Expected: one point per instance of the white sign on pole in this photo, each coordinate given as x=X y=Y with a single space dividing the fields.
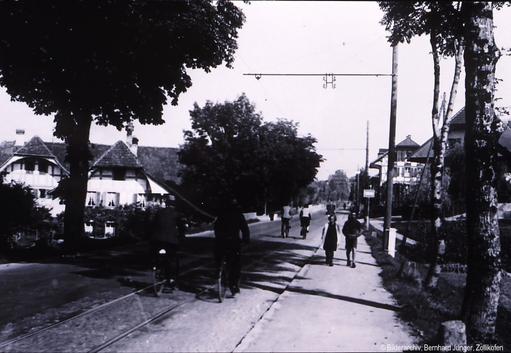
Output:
x=369 y=193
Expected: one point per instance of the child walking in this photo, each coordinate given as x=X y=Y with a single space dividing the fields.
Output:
x=351 y=230
x=329 y=237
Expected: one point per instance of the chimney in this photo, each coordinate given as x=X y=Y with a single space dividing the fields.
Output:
x=134 y=145
x=21 y=138
x=409 y=137
x=129 y=134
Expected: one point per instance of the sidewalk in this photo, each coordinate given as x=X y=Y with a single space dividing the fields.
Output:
x=332 y=309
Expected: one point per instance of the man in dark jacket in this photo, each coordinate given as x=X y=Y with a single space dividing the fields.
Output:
x=228 y=225
x=351 y=230
x=165 y=235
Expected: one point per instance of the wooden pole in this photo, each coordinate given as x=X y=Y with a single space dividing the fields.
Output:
x=392 y=147
x=366 y=181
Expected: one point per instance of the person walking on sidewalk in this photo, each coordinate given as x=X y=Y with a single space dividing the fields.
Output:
x=352 y=230
x=329 y=237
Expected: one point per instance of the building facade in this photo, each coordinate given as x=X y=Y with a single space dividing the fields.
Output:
x=122 y=174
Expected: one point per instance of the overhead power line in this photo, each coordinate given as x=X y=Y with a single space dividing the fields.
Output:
x=328 y=78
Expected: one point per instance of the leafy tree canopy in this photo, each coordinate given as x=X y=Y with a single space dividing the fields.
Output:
x=406 y=19
x=113 y=60
x=230 y=152
x=338 y=186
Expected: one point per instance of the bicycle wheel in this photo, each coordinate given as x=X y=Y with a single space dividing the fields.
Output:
x=158 y=280
x=304 y=232
x=221 y=283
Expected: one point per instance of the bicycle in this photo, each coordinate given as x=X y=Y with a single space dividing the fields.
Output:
x=222 y=280
x=303 y=231
x=163 y=273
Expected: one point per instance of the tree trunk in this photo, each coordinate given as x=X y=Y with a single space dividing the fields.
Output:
x=78 y=156
x=482 y=132
x=436 y=172
x=440 y=135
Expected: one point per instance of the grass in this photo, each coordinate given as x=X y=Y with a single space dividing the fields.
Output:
x=426 y=310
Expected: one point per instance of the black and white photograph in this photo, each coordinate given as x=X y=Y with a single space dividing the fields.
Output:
x=255 y=176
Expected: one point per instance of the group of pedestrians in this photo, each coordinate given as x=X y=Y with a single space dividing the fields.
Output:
x=351 y=229
x=230 y=224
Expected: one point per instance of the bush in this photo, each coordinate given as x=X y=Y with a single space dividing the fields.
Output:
x=455 y=241
x=21 y=217
x=129 y=221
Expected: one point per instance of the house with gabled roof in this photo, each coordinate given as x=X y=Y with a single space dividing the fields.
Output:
x=456 y=136
x=121 y=174
x=406 y=172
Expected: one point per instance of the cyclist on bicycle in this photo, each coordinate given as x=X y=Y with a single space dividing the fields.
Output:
x=165 y=235
x=228 y=225
x=305 y=218
x=285 y=217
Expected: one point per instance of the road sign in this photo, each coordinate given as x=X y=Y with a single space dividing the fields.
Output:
x=369 y=193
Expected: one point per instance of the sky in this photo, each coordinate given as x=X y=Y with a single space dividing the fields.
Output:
x=307 y=37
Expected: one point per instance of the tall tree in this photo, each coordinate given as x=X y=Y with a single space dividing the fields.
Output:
x=481 y=137
x=220 y=153
x=291 y=161
x=230 y=151
x=442 y=22
x=109 y=62
x=338 y=185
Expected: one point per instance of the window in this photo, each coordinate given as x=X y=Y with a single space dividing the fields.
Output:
x=42 y=193
x=112 y=199
x=43 y=167
x=119 y=174
x=92 y=199
x=29 y=166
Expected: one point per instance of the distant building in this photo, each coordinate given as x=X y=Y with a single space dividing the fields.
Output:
x=455 y=137
x=406 y=172
x=120 y=174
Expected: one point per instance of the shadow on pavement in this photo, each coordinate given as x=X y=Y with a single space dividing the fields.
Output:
x=345 y=298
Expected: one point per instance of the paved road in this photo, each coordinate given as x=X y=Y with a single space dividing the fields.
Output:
x=36 y=295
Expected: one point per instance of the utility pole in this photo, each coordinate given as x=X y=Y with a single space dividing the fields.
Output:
x=358 y=191
x=392 y=150
x=366 y=181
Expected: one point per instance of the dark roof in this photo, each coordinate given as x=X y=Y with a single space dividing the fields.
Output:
x=161 y=163
x=118 y=155
x=34 y=147
x=407 y=142
x=379 y=158
x=59 y=150
x=458 y=118
x=6 y=150
x=422 y=153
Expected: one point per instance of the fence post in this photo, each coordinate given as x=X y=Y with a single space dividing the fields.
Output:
x=391 y=250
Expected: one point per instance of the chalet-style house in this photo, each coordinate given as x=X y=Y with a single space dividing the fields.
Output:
x=406 y=171
x=412 y=158
x=120 y=174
